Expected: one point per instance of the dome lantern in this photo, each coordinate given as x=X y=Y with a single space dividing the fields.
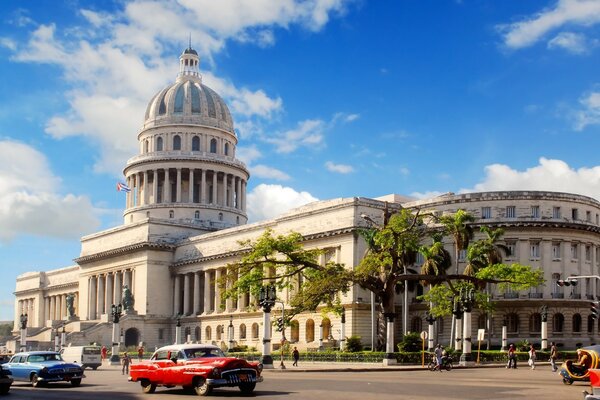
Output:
x=189 y=65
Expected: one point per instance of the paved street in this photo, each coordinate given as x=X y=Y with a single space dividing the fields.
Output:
x=481 y=383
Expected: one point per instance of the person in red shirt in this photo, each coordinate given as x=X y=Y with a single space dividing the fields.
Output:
x=140 y=353
x=103 y=353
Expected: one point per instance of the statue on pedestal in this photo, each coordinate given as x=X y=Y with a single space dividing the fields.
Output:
x=127 y=299
x=70 y=299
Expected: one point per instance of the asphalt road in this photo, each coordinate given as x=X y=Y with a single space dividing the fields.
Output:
x=483 y=383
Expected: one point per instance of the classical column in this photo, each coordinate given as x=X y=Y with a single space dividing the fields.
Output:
x=244 y=195
x=51 y=314
x=100 y=294
x=146 y=193
x=191 y=184
x=118 y=288
x=186 y=294
x=177 y=296
x=224 y=189
x=46 y=309
x=92 y=299
x=178 y=186
x=155 y=185
x=214 y=188
x=109 y=292
x=166 y=184
x=218 y=275
x=238 y=194
x=203 y=187
x=196 y=293
x=126 y=278
x=206 y=292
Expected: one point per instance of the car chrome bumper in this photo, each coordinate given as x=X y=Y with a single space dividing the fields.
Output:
x=225 y=382
x=60 y=378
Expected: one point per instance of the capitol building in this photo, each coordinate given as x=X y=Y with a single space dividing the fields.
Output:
x=186 y=215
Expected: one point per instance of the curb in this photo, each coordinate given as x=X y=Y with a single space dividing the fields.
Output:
x=379 y=368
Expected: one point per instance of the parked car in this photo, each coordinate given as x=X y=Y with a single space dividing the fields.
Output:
x=41 y=367
x=5 y=380
x=198 y=367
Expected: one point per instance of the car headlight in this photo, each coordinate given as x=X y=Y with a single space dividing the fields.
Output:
x=259 y=367
x=44 y=370
x=216 y=372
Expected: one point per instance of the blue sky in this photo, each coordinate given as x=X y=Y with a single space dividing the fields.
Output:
x=331 y=98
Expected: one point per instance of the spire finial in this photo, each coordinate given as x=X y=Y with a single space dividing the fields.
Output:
x=190 y=45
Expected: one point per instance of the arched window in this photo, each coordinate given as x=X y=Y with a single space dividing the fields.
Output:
x=159 y=144
x=512 y=323
x=310 y=331
x=179 y=100
x=558 y=322
x=295 y=328
x=187 y=333
x=591 y=323
x=226 y=149
x=195 y=143
x=237 y=220
x=176 y=142
x=207 y=333
x=220 y=332
x=197 y=214
x=220 y=216
x=326 y=324
x=243 y=331
x=576 y=323
x=255 y=331
x=146 y=146
x=195 y=95
x=535 y=322
x=415 y=324
x=197 y=334
x=213 y=145
x=171 y=214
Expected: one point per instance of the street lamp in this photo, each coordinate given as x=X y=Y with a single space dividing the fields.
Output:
x=430 y=321
x=457 y=311
x=230 y=333
x=63 y=337
x=266 y=300
x=178 y=329
x=23 y=321
x=468 y=301
x=56 y=340
x=544 y=327
x=116 y=312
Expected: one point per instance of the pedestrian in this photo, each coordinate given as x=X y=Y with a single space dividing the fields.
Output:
x=103 y=352
x=553 y=356
x=125 y=361
x=438 y=356
x=295 y=356
x=531 y=360
x=140 y=353
x=512 y=357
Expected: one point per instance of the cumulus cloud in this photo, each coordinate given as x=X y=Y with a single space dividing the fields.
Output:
x=29 y=202
x=550 y=175
x=339 y=168
x=266 y=172
x=589 y=113
x=270 y=201
x=308 y=133
x=126 y=57
x=530 y=30
x=572 y=42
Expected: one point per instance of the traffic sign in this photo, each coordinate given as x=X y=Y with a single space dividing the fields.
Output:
x=424 y=335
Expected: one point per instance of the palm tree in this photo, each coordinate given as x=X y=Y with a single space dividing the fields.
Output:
x=486 y=251
x=436 y=258
x=458 y=226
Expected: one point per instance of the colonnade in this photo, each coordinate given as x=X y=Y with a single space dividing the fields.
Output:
x=55 y=307
x=26 y=306
x=202 y=186
x=200 y=292
x=106 y=289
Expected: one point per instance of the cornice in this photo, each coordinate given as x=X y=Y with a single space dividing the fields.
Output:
x=125 y=250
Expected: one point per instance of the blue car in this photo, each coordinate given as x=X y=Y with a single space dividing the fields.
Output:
x=41 y=367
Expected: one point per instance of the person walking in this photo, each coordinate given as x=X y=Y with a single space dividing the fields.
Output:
x=125 y=361
x=140 y=353
x=512 y=357
x=531 y=361
x=103 y=353
x=295 y=356
x=438 y=356
x=553 y=356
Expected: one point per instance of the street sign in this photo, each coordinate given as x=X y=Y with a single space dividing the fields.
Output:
x=424 y=335
x=481 y=334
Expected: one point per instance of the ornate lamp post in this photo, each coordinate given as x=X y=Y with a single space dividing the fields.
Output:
x=56 y=340
x=266 y=299
x=230 y=333
x=343 y=331
x=457 y=311
x=63 y=337
x=544 y=315
x=23 y=322
x=116 y=312
x=504 y=334
x=468 y=301
x=178 y=330
x=430 y=321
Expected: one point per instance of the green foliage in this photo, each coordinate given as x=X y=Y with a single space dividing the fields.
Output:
x=353 y=344
x=5 y=330
x=514 y=276
x=410 y=342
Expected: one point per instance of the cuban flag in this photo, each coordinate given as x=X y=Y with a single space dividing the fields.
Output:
x=121 y=187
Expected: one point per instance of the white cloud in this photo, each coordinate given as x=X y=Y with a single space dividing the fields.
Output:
x=265 y=172
x=528 y=31
x=248 y=154
x=589 y=114
x=270 y=201
x=308 y=133
x=29 y=201
x=344 y=117
x=569 y=41
x=550 y=175
x=425 y=195
x=8 y=43
x=339 y=168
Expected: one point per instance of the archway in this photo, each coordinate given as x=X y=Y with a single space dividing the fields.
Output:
x=132 y=337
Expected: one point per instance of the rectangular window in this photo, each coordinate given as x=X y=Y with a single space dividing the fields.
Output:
x=486 y=212
x=556 y=251
x=511 y=249
x=574 y=249
x=556 y=213
x=535 y=211
x=511 y=212
x=534 y=250
x=462 y=255
x=588 y=253
x=574 y=214
x=161 y=333
x=588 y=216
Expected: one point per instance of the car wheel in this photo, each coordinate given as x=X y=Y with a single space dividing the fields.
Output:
x=247 y=388
x=147 y=386
x=201 y=387
x=34 y=380
x=75 y=382
x=449 y=367
x=567 y=381
x=4 y=388
x=95 y=367
x=431 y=366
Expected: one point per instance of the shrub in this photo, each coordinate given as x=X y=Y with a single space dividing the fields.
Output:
x=410 y=342
x=353 y=344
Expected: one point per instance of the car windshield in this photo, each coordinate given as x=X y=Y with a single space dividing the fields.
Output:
x=203 y=352
x=35 y=358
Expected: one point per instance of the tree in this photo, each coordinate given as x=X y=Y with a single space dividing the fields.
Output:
x=485 y=252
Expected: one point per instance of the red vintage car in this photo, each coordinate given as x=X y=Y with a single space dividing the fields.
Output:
x=198 y=367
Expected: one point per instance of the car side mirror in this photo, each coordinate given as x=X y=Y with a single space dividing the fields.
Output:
x=174 y=359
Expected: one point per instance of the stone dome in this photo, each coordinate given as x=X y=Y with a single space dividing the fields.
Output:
x=188 y=100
